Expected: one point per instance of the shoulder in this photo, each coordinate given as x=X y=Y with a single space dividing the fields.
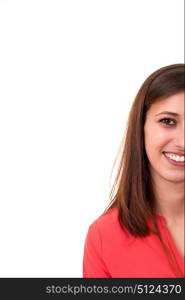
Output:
x=98 y=245
x=107 y=219
x=107 y=225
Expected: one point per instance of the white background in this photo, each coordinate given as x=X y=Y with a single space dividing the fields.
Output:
x=69 y=72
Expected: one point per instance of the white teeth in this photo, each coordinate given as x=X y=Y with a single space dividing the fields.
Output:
x=175 y=157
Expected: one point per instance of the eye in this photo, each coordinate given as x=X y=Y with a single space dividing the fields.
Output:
x=168 y=122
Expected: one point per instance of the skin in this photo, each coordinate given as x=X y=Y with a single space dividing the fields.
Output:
x=168 y=179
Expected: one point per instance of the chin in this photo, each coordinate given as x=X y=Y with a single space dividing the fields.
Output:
x=167 y=175
x=174 y=179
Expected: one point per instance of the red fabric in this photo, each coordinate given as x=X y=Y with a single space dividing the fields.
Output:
x=111 y=252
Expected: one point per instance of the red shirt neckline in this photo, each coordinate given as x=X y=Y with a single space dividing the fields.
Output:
x=171 y=241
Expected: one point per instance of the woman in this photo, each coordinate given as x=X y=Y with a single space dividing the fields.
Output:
x=141 y=233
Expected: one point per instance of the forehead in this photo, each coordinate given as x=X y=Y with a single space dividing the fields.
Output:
x=174 y=103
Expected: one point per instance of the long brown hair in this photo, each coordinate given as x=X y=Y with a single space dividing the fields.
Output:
x=132 y=192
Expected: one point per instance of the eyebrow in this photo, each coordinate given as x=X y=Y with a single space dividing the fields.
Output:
x=168 y=113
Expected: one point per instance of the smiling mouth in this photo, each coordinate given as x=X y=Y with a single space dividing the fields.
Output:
x=177 y=160
x=175 y=157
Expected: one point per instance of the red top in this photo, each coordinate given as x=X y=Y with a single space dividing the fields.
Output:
x=111 y=252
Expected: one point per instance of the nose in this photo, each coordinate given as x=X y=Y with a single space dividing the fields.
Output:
x=179 y=138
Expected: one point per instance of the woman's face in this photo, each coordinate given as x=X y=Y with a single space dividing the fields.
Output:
x=164 y=135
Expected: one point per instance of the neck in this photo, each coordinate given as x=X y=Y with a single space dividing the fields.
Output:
x=169 y=199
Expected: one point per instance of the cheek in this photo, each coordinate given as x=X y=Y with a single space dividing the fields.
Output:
x=155 y=140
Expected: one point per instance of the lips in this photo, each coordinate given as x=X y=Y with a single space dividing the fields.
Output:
x=173 y=162
x=176 y=153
